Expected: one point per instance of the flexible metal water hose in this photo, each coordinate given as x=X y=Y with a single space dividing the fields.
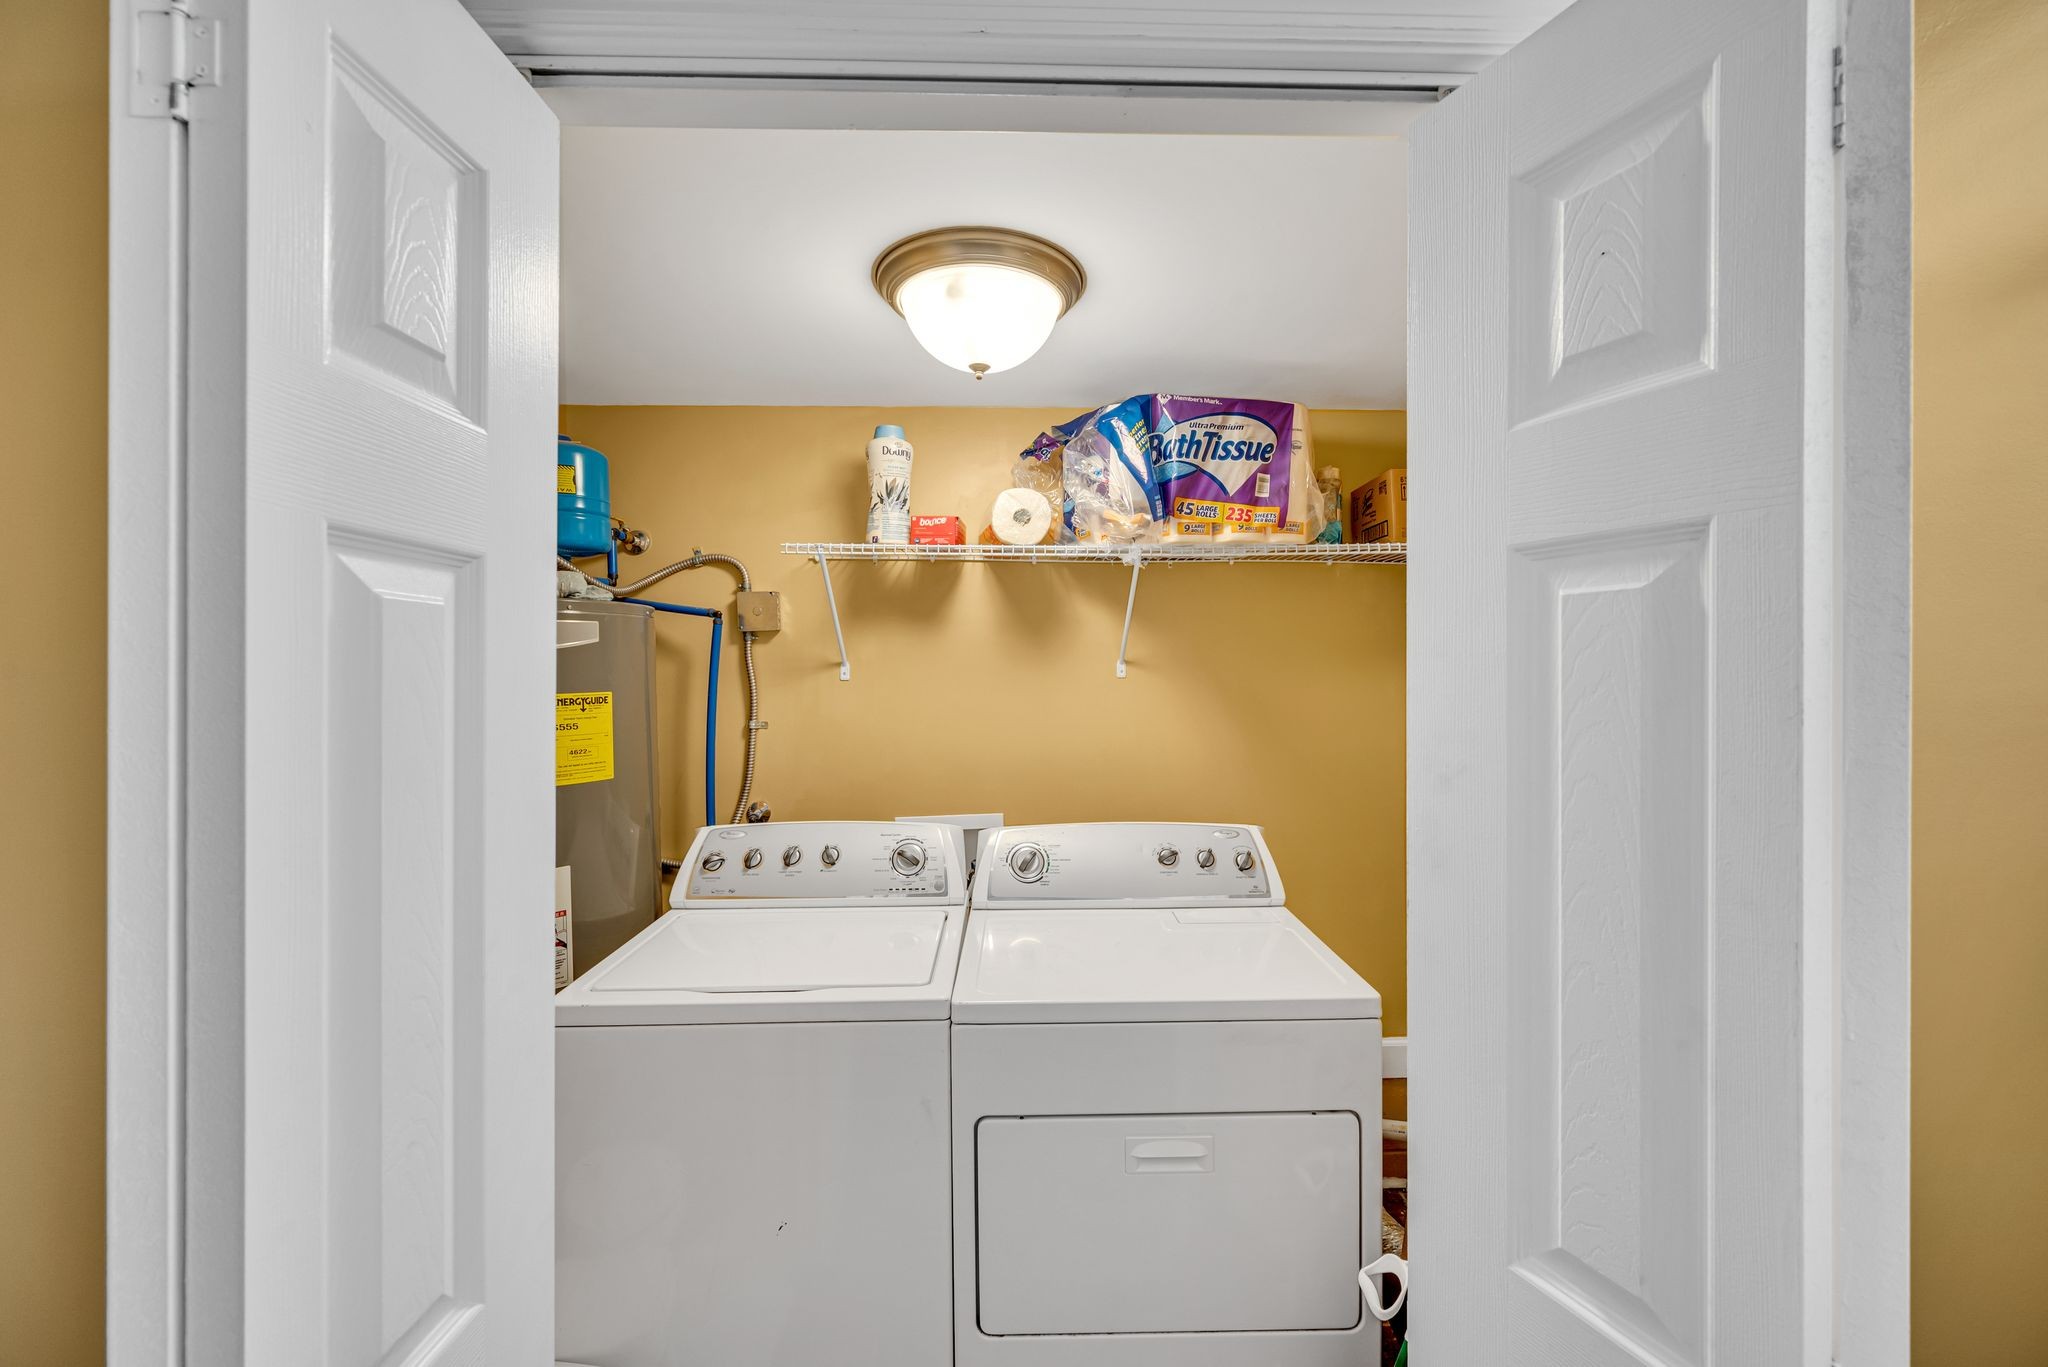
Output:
x=754 y=722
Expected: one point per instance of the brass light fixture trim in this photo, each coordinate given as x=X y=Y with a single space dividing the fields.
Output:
x=979 y=245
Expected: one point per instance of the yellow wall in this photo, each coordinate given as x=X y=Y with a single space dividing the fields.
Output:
x=53 y=138
x=1257 y=693
x=1980 y=684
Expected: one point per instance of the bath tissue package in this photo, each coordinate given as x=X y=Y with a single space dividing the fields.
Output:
x=1167 y=466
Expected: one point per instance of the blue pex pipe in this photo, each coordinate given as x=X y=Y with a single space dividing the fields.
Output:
x=711 y=724
x=710 y=696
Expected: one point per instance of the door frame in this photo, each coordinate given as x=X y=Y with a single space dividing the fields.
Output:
x=1874 y=656
x=174 y=703
x=173 y=668
x=1350 y=46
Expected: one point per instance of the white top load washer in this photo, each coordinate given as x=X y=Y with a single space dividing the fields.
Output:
x=1166 y=1109
x=751 y=1147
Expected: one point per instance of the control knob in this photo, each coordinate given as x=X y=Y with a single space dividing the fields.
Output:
x=829 y=856
x=907 y=858
x=792 y=856
x=1206 y=858
x=1245 y=861
x=712 y=862
x=752 y=858
x=1028 y=863
x=1168 y=856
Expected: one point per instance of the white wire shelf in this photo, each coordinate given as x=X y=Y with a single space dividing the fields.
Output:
x=1162 y=553
x=1137 y=557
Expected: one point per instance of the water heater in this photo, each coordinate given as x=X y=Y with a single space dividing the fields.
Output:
x=607 y=817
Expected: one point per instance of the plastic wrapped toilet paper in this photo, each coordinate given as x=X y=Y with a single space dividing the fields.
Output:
x=1167 y=466
x=1304 y=503
x=1224 y=466
x=1021 y=517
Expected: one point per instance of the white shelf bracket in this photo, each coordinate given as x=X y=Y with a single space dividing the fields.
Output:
x=832 y=603
x=1130 y=605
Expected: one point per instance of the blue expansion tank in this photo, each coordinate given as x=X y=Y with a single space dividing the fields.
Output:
x=583 y=500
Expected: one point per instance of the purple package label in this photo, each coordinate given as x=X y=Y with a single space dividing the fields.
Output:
x=1222 y=465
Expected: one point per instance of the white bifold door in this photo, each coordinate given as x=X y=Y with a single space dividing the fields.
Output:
x=1622 y=758
x=369 y=1122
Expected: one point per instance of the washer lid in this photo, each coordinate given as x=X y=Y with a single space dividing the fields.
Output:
x=780 y=951
x=1126 y=964
x=695 y=967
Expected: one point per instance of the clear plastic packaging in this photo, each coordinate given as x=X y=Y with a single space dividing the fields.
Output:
x=1330 y=484
x=1301 y=516
x=1171 y=466
x=1106 y=483
x=1041 y=471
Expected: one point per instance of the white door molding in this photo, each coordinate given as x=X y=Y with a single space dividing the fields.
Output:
x=682 y=102
x=1328 y=44
x=1875 y=534
x=145 y=742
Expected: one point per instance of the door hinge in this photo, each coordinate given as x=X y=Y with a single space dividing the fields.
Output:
x=1838 y=99
x=175 y=52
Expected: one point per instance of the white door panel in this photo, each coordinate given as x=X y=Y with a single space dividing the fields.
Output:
x=1613 y=342
x=400 y=380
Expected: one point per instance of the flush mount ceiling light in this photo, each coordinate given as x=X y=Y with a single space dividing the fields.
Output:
x=979 y=299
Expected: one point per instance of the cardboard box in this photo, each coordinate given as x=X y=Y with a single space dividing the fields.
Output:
x=1379 y=508
x=937 y=531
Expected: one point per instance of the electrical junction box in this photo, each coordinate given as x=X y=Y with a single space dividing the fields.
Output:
x=760 y=610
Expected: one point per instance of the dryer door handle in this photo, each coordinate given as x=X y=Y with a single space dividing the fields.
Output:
x=1170 y=1153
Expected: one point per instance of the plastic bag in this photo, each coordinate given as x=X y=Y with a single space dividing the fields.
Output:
x=1224 y=465
x=1107 y=488
x=1306 y=510
x=1041 y=470
x=1167 y=466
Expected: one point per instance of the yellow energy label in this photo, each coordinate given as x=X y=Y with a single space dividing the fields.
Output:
x=565 y=480
x=583 y=738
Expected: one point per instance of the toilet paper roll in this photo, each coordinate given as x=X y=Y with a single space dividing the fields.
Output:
x=1021 y=517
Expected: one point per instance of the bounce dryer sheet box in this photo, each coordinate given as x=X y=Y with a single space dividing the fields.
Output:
x=937 y=531
x=1379 y=508
x=1223 y=466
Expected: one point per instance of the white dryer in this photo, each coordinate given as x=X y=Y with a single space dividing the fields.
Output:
x=1166 y=1110
x=752 y=1159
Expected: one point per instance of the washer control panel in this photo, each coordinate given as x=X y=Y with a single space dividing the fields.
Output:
x=809 y=863
x=1147 y=863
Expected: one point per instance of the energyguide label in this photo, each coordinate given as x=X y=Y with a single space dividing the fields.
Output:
x=583 y=738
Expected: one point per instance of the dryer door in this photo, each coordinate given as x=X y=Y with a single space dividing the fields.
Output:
x=1144 y=1224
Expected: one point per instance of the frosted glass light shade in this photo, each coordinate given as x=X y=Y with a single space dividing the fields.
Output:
x=979 y=299
x=980 y=318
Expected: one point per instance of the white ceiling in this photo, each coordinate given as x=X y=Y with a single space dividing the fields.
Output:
x=730 y=266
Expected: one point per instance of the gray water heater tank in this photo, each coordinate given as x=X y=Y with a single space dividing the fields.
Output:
x=607 y=828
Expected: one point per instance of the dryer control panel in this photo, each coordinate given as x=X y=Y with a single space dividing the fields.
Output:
x=1127 y=863
x=818 y=863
